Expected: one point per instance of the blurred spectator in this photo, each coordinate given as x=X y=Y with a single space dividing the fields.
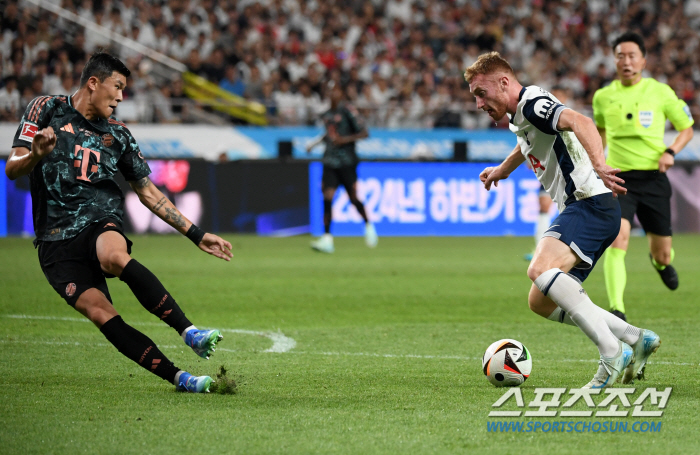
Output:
x=9 y=99
x=400 y=60
x=232 y=82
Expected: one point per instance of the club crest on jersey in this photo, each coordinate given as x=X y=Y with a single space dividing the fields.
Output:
x=107 y=140
x=70 y=290
x=29 y=130
x=646 y=118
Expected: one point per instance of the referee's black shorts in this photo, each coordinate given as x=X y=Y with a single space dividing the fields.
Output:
x=649 y=197
x=71 y=266
x=346 y=176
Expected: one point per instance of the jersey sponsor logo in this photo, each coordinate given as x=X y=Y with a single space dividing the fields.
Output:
x=70 y=290
x=83 y=162
x=68 y=128
x=536 y=164
x=29 y=130
x=646 y=118
x=544 y=108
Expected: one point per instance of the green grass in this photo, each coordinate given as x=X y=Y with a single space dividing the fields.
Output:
x=387 y=359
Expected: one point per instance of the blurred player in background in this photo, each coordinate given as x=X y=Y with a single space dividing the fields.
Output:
x=71 y=147
x=344 y=127
x=566 y=154
x=631 y=116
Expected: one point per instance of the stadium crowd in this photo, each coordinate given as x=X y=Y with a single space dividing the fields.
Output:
x=401 y=61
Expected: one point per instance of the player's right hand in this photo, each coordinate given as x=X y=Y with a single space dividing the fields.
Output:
x=608 y=175
x=44 y=142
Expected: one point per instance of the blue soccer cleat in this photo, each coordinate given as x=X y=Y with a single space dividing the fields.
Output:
x=194 y=384
x=609 y=368
x=203 y=342
x=647 y=344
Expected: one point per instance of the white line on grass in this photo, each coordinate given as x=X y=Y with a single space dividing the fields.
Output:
x=280 y=342
x=284 y=344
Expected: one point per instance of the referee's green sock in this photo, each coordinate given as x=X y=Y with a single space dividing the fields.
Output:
x=660 y=266
x=615 y=277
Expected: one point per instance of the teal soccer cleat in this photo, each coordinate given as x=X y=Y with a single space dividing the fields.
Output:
x=609 y=368
x=647 y=344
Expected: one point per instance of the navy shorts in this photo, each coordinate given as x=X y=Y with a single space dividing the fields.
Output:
x=588 y=226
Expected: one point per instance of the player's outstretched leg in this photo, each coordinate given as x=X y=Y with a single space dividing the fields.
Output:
x=610 y=368
x=185 y=382
x=153 y=296
x=647 y=344
x=202 y=342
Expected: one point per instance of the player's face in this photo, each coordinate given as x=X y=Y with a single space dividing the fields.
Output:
x=108 y=94
x=629 y=62
x=491 y=96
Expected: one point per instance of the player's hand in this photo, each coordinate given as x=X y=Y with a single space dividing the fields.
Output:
x=216 y=246
x=491 y=175
x=666 y=162
x=44 y=142
x=608 y=175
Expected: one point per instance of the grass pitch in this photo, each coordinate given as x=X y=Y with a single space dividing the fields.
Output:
x=385 y=359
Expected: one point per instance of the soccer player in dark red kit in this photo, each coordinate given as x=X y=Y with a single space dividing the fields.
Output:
x=71 y=147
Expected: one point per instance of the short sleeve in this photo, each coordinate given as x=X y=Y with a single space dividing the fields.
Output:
x=598 y=114
x=676 y=110
x=354 y=118
x=543 y=113
x=132 y=164
x=36 y=117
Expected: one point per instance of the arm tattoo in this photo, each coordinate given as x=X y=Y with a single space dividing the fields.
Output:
x=160 y=204
x=142 y=183
x=173 y=216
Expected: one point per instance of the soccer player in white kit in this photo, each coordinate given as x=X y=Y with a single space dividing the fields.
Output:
x=566 y=153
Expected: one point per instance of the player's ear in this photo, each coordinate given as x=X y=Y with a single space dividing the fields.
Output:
x=92 y=82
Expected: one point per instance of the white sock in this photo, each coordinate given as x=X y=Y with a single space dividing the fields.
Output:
x=543 y=223
x=568 y=294
x=562 y=316
x=177 y=377
x=184 y=332
x=622 y=330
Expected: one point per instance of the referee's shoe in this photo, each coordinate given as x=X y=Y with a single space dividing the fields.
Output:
x=668 y=275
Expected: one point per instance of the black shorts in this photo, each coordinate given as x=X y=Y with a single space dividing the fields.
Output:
x=649 y=197
x=71 y=266
x=346 y=176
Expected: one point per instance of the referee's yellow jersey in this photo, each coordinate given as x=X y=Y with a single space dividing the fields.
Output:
x=634 y=118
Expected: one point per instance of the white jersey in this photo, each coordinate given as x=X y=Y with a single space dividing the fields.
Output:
x=557 y=157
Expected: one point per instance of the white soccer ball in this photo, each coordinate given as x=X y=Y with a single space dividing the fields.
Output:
x=507 y=363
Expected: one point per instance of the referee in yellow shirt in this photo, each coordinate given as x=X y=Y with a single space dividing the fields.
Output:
x=631 y=116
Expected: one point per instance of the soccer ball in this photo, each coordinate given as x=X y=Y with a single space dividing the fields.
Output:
x=507 y=363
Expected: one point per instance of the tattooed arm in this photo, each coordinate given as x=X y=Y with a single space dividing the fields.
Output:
x=156 y=202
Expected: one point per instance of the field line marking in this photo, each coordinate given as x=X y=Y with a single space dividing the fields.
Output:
x=283 y=344
x=280 y=342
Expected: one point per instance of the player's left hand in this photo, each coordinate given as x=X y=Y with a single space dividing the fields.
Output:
x=216 y=246
x=610 y=179
x=666 y=162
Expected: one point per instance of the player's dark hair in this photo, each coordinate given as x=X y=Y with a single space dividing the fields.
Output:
x=102 y=65
x=631 y=37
